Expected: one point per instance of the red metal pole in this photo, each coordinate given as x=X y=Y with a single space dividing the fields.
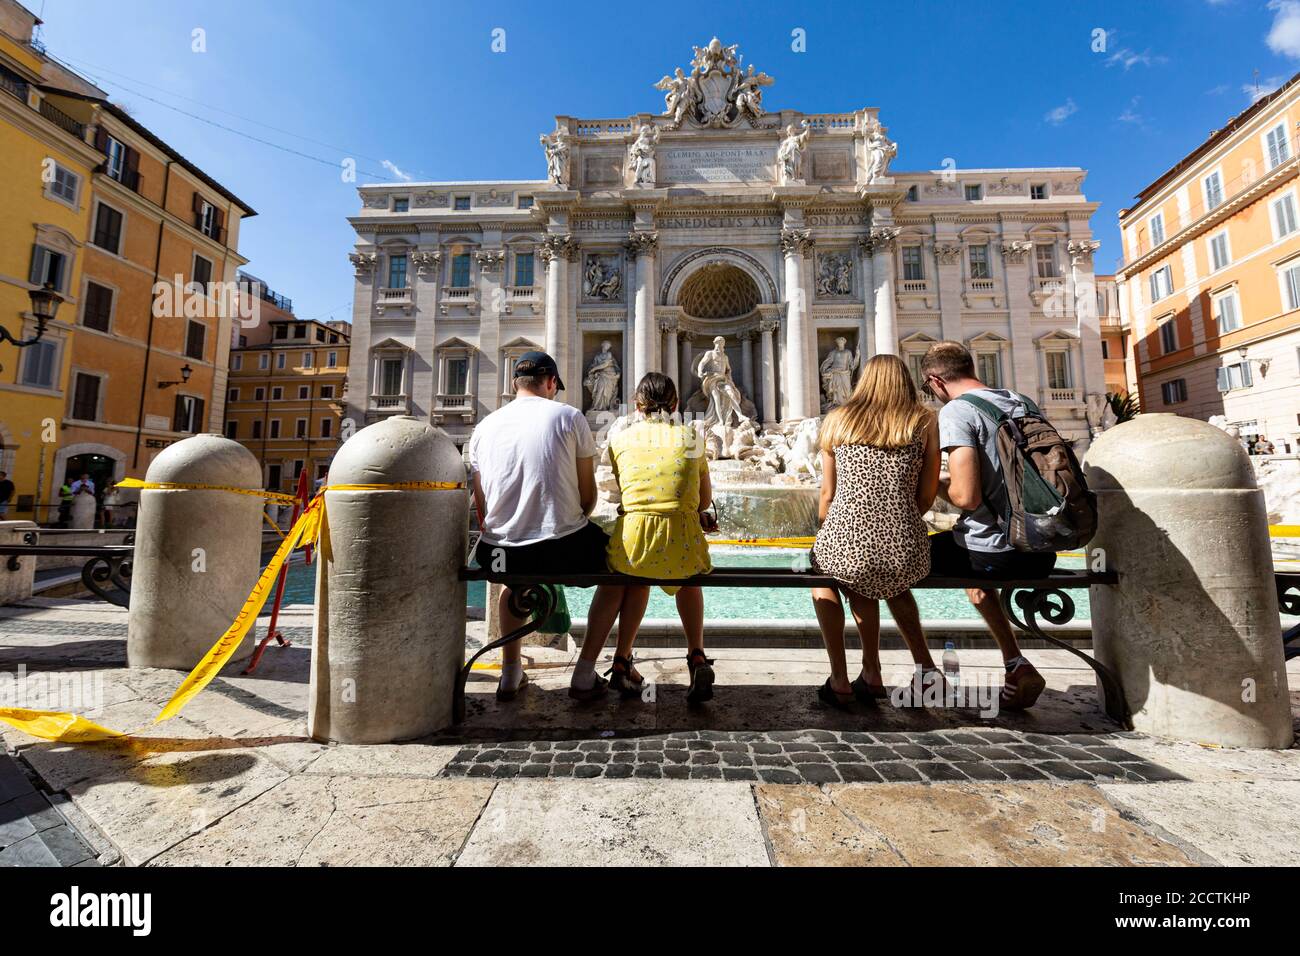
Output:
x=299 y=504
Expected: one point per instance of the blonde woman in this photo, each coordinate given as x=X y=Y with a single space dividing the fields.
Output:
x=663 y=478
x=880 y=473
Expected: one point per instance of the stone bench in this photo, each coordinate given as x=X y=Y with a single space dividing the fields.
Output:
x=1023 y=600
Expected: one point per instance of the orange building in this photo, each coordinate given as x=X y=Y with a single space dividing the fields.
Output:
x=1115 y=338
x=1210 y=284
x=284 y=398
x=156 y=304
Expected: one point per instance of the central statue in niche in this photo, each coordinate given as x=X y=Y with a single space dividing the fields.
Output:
x=714 y=372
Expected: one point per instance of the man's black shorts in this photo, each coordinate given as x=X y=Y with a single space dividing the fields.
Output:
x=948 y=559
x=582 y=552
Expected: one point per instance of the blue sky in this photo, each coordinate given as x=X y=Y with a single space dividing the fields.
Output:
x=413 y=88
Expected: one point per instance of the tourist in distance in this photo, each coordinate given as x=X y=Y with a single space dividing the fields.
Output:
x=534 y=482
x=663 y=477
x=880 y=472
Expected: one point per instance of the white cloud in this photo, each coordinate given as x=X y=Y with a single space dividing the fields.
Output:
x=1284 y=36
x=1061 y=113
x=392 y=168
x=1131 y=114
x=1129 y=58
x=1218 y=90
x=1262 y=87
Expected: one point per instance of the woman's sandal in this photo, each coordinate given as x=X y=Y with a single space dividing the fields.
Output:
x=620 y=678
x=701 y=671
x=868 y=693
x=833 y=698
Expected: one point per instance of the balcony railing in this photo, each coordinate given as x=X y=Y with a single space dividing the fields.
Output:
x=916 y=285
x=1049 y=283
x=62 y=119
x=13 y=86
x=1061 y=396
x=979 y=285
x=458 y=402
x=525 y=292
x=389 y=403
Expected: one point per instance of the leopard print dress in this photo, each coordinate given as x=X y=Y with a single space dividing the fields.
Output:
x=873 y=541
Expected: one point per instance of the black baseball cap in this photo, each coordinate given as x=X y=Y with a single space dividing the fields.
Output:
x=538 y=363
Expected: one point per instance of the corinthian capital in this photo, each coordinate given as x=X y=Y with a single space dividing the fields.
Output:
x=797 y=241
x=947 y=252
x=558 y=247
x=363 y=262
x=490 y=260
x=1016 y=250
x=641 y=243
x=880 y=239
x=1081 y=250
x=425 y=261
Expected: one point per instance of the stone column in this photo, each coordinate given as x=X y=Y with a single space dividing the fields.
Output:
x=390 y=614
x=1092 y=377
x=747 y=363
x=641 y=247
x=796 y=244
x=947 y=254
x=1191 y=629
x=555 y=252
x=1024 y=358
x=882 y=241
x=687 y=385
x=867 y=324
x=766 y=327
x=197 y=553
x=669 y=329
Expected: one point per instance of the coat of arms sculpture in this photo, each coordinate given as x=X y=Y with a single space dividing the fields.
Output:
x=717 y=93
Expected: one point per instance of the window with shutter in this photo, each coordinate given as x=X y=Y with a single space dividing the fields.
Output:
x=99 y=307
x=38 y=364
x=1222 y=374
x=85 y=397
x=108 y=229
x=196 y=334
x=47 y=268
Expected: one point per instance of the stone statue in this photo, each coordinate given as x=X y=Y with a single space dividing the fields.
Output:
x=641 y=156
x=880 y=151
x=789 y=158
x=837 y=373
x=601 y=281
x=681 y=95
x=714 y=372
x=804 y=454
x=556 y=147
x=602 y=379
x=749 y=93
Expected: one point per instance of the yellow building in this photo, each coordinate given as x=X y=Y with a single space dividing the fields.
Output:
x=285 y=395
x=1210 y=285
x=46 y=161
x=1115 y=339
x=144 y=246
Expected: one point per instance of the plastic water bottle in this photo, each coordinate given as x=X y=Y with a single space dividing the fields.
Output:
x=951 y=667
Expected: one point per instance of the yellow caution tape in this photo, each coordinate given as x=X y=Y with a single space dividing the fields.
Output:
x=1284 y=530
x=190 y=486
x=70 y=728
x=274 y=527
x=794 y=542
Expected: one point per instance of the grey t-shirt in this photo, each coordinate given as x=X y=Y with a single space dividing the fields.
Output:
x=961 y=424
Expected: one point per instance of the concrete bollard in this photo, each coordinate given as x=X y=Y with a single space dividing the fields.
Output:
x=197 y=553
x=17 y=574
x=83 y=511
x=389 y=633
x=1192 y=628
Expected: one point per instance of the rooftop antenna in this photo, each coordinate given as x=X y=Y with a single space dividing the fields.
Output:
x=1257 y=83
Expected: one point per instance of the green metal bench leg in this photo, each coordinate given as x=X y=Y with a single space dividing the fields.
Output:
x=537 y=601
x=1036 y=601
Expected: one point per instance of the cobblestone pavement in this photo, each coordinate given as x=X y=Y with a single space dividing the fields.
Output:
x=32 y=831
x=763 y=775
x=816 y=757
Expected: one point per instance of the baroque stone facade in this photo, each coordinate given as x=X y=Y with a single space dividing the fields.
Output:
x=780 y=231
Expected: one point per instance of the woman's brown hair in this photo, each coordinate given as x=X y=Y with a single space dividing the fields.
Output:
x=655 y=393
x=884 y=410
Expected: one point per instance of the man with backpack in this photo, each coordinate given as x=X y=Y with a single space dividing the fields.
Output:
x=1020 y=491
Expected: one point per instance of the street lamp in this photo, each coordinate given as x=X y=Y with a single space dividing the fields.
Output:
x=186 y=371
x=1262 y=363
x=45 y=302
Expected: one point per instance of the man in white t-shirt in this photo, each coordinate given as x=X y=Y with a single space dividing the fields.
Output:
x=533 y=464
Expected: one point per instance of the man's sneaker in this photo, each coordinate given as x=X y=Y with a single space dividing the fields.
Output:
x=598 y=689
x=1022 y=687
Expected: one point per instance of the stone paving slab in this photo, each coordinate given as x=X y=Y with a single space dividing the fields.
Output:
x=605 y=823
x=32 y=831
x=311 y=820
x=1033 y=824
x=1235 y=823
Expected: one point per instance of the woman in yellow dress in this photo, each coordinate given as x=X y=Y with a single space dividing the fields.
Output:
x=663 y=477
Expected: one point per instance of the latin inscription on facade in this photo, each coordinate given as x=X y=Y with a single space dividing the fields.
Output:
x=741 y=164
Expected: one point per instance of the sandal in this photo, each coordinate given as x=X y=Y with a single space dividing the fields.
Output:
x=701 y=688
x=507 y=695
x=833 y=698
x=597 y=690
x=868 y=693
x=622 y=680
